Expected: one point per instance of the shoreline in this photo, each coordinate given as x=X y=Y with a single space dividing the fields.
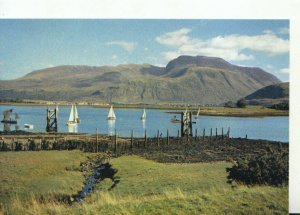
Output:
x=249 y=111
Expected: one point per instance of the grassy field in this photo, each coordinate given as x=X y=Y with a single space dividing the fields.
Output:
x=32 y=181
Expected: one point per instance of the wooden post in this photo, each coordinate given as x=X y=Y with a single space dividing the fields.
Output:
x=178 y=133
x=210 y=133
x=168 y=141
x=131 y=140
x=216 y=132
x=228 y=132
x=196 y=133
x=145 y=140
x=182 y=125
x=222 y=133
x=157 y=138
x=97 y=140
x=203 y=133
x=116 y=142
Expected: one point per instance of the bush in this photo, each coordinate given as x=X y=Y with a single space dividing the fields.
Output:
x=230 y=104
x=241 y=103
x=281 y=106
x=270 y=168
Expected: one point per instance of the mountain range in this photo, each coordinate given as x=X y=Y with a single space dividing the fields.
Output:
x=186 y=79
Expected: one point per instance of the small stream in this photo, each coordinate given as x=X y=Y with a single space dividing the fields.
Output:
x=99 y=174
x=88 y=187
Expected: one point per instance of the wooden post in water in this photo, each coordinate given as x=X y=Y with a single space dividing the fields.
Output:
x=216 y=132
x=145 y=139
x=131 y=140
x=203 y=133
x=116 y=141
x=97 y=140
x=196 y=133
x=210 y=133
x=157 y=138
x=168 y=141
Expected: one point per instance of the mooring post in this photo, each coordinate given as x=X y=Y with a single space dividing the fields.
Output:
x=216 y=132
x=157 y=138
x=116 y=141
x=97 y=140
x=168 y=141
x=145 y=140
x=210 y=133
x=131 y=140
x=203 y=133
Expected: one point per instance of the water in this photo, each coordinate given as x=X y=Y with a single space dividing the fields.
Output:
x=269 y=128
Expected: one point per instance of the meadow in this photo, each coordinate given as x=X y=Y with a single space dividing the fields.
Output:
x=38 y=183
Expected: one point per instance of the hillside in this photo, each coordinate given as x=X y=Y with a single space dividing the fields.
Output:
x=269 y=95
x=186 y=79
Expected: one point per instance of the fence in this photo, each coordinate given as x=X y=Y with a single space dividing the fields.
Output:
x=97 y=143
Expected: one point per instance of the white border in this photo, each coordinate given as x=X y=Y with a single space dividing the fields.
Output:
x=188 y=9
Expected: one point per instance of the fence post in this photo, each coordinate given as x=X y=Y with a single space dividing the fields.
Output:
x=168 y=141
x=97 y=140
x=116 y=142
x=157 y=138
x=145 y=140
x=131 y=140
x=222 y=133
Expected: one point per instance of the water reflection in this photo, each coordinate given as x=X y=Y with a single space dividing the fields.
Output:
x=6 y=127
x=111 y=126
x=73 y=128
x=144 y=124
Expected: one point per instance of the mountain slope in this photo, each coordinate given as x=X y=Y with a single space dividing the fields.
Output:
x=186 y=79
x=269 y=95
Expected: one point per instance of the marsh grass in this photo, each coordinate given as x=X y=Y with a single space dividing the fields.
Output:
x=148 y=187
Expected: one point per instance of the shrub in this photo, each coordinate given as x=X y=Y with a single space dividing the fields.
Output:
x=230 y=104
x=270 y=168
x=241 y=103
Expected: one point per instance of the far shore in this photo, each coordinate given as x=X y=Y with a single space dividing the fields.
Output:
x=249 y=111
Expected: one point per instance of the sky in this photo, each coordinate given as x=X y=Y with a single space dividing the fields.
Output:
x=32 y=44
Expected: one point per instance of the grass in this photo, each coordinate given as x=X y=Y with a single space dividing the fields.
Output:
x=145 y=187
x=44 y=174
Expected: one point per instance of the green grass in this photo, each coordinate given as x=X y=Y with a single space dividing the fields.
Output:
x=43 y=173
x=145 y=187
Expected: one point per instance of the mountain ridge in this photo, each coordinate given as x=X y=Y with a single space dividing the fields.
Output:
x=186 y=79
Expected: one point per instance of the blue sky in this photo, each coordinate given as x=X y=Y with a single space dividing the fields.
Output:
x=28 y=45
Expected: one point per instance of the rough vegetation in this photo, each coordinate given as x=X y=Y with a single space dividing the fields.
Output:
x=186 y=79
x=271 y=168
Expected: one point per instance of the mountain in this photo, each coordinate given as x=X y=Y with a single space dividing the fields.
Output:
x=186 y=79
x=269 y=95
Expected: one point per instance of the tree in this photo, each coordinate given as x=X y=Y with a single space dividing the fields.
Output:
x=241 y=103
x=229 y=104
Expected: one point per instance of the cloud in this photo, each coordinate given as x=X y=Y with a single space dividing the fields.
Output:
x=284 y=70
x=127 y=46
x=227 y=47
x=114 y=57
x=283 y=30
